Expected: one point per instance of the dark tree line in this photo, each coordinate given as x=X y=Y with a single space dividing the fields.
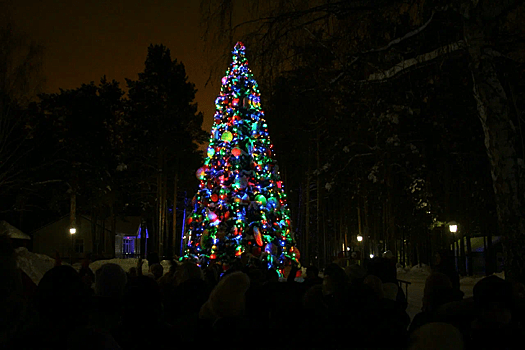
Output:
x=97 y=151
x=392 y=118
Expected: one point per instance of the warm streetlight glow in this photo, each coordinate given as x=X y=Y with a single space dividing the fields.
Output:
x=453 y=228
x=371 y=256
x=359 y=238
x=72 y=230
x=348 y=248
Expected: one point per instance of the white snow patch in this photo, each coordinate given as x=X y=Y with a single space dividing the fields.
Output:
x=36 y=265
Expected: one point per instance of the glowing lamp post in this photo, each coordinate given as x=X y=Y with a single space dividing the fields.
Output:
x=453 y=228
x=359 y=238
x=72 y=231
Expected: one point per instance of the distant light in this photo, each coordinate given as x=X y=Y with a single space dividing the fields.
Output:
x=359 y=238
x=453 y=228
x=371 y=256
x=72 y=230
x=348 y=248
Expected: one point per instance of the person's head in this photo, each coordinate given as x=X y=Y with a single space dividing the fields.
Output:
x=157 y=270
x=153 y=258
x=494 y=298
x=356 y=273
x=443 y=257
x=228 y=298
x=187 y=271
x=438 y=291
x=312 y=272
x=436 y=336
x=142 y=300
x=390 y=291
x=375 y=284
x=62 y=297
x=334 y=280
x=110 y=281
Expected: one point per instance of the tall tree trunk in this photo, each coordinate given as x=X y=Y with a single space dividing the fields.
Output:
x=500 y=138
x=175 y=239
x=318 y=204
x=307 y=218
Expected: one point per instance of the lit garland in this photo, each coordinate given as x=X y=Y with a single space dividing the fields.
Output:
x=240 y=205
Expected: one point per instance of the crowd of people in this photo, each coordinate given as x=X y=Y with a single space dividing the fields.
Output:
x=249 y=306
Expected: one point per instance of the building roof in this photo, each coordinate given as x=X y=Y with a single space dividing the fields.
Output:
x=11 y=231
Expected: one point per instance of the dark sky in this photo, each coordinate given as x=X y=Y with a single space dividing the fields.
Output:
x=86 y=39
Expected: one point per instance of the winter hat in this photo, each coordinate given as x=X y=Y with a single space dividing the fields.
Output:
x=227 y=298
x=110 y=281
x=390 y=291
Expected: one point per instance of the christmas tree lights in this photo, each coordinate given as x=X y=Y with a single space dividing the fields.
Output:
x=241 y=204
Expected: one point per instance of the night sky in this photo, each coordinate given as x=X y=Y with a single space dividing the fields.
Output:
x=85 y=40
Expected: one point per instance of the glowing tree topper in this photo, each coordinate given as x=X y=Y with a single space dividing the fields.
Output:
x=240 y=205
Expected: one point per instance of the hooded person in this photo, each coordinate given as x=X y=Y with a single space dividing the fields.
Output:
x=227 y=299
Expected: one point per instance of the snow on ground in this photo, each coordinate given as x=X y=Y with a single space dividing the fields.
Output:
x=36 y=265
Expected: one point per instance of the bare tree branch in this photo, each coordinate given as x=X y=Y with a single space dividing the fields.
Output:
x=404 y=65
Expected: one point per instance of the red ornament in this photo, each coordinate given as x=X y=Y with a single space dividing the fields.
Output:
x=227 y=214
x=279 y=184
x=214 y=197
x=236 y=151
x=213 y=257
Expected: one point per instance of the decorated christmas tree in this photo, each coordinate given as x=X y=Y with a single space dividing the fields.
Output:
x=240 y=205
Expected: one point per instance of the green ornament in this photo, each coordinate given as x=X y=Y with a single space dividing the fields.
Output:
x=227 y=136
x=260 y=199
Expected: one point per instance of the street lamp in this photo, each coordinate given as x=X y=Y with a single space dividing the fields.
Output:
x=72 y=231
x=359 y=238
x=453 y=228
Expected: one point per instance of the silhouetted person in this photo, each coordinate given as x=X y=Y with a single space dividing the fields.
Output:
x=142 y=318
x=157 y=271
x=438 y=291
x=444 y=263
x=495 y=328
x=85 y=272
x=63 y=302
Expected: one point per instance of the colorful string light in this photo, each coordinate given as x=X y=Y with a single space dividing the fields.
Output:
x=240 y=205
